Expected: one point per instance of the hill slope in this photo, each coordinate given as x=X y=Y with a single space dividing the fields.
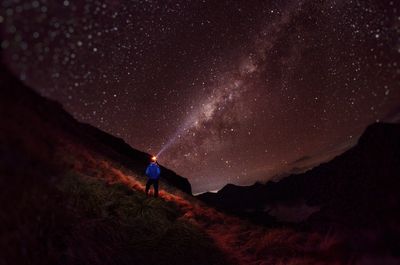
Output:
x=21 y=104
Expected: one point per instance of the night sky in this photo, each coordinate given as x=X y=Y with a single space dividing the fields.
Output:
x=229 y=91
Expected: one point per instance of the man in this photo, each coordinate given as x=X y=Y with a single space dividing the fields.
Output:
x=153 y=174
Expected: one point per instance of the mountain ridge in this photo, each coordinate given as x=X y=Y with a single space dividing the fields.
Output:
x=370 y=168
x=89 y=135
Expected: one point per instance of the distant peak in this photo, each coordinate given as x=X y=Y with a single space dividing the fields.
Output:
x=379 y=131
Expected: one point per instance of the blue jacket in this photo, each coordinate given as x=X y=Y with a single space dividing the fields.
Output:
x=153 y=171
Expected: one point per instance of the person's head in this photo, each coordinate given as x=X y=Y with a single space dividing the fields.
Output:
x=153 y=159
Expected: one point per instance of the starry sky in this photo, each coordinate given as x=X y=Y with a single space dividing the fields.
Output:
x=223 y=91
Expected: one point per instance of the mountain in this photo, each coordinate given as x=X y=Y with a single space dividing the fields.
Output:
x=357 y=194
x=361 y=185
x=17 y=98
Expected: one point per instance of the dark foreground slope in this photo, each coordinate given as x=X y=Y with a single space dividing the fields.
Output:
x=71 y=194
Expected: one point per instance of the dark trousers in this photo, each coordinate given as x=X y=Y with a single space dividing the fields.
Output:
x=153 y=182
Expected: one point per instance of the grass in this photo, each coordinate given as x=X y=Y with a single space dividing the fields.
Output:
x=117 y=225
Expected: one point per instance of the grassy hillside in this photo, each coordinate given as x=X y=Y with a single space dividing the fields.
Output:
x=77 y=207
x=134 y=229
x=84 y=220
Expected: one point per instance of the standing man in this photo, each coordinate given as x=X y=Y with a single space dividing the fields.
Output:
x=153 y=174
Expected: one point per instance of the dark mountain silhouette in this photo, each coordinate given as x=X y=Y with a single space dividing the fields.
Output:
x=357 y=194
x=117 y=149
x=15 y=94
x=360 y=186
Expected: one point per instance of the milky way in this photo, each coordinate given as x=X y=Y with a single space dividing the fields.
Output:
x=224 y=91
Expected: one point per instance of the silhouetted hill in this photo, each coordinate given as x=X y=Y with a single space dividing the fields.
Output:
x=14 y=95
x=359 y=187
x=117 y=149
